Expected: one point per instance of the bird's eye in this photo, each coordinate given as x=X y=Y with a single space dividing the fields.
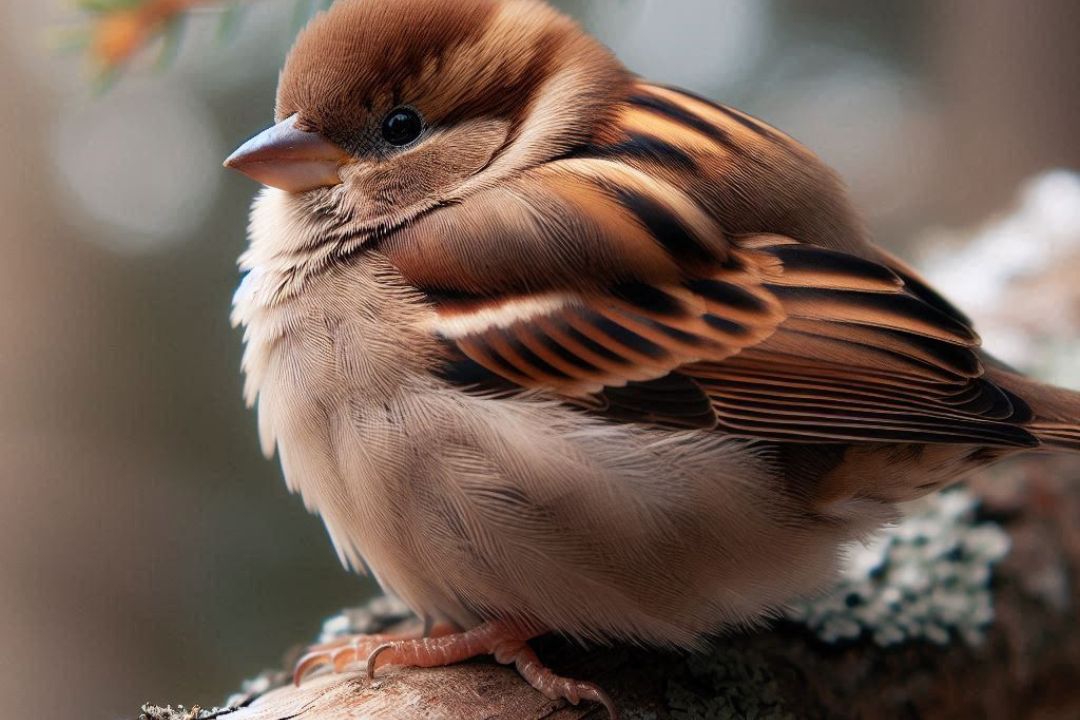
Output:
x=402 y=126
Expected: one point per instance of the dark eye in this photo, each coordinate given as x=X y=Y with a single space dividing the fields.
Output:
x=402 y=126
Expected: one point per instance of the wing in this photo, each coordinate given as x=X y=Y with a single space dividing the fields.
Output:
x=851 y=364
x=598 y=279
x=585 y=275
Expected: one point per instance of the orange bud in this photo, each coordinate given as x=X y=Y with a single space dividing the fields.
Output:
x=117 y=36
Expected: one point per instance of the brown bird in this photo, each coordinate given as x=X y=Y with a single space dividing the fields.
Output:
x=555 y=349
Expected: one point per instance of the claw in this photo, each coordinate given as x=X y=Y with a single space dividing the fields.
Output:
x=593 y=693
x=308 y=663
x=373 y=658
x=556 y=687
x=343 y=658
x=339 y=654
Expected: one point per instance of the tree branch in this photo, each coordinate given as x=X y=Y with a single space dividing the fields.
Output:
x=1025 y=667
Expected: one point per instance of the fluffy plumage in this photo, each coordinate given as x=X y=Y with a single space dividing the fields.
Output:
x=591 y=355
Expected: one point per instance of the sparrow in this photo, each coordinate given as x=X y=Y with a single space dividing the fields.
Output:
x=554 y=349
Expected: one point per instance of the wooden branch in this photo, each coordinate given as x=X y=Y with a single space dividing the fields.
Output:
x=1028 y=666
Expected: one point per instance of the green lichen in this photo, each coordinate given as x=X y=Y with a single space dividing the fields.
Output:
x=726 y=684
x=927 y=578
x=156 y=712
x=638 y=714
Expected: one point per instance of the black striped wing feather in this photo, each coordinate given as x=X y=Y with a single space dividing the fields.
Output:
x=600 y=279
x=852 y=362
x=591 y=279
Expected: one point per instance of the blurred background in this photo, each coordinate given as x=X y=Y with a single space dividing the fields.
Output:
x=147 y=550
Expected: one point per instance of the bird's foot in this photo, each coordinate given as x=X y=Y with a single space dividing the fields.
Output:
x=509 y=646
x=350 y=650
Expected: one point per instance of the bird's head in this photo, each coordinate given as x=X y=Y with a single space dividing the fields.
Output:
x=387 y=109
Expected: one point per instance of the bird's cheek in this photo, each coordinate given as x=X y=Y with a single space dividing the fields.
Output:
x=376 y=194
x=392 y=190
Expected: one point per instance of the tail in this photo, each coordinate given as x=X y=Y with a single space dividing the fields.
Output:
x=1055 y=411
x=1058 y=437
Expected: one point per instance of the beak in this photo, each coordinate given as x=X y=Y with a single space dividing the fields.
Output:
x=290 y=159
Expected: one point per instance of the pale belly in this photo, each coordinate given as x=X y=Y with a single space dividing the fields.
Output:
x=471 y=508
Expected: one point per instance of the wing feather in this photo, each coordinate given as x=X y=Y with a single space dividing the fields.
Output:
x=599 y=279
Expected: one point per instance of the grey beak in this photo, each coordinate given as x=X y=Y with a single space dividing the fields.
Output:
x=290 y=159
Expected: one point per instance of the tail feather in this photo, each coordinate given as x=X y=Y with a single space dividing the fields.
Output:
x=1057 y=437
x=1055 y=411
